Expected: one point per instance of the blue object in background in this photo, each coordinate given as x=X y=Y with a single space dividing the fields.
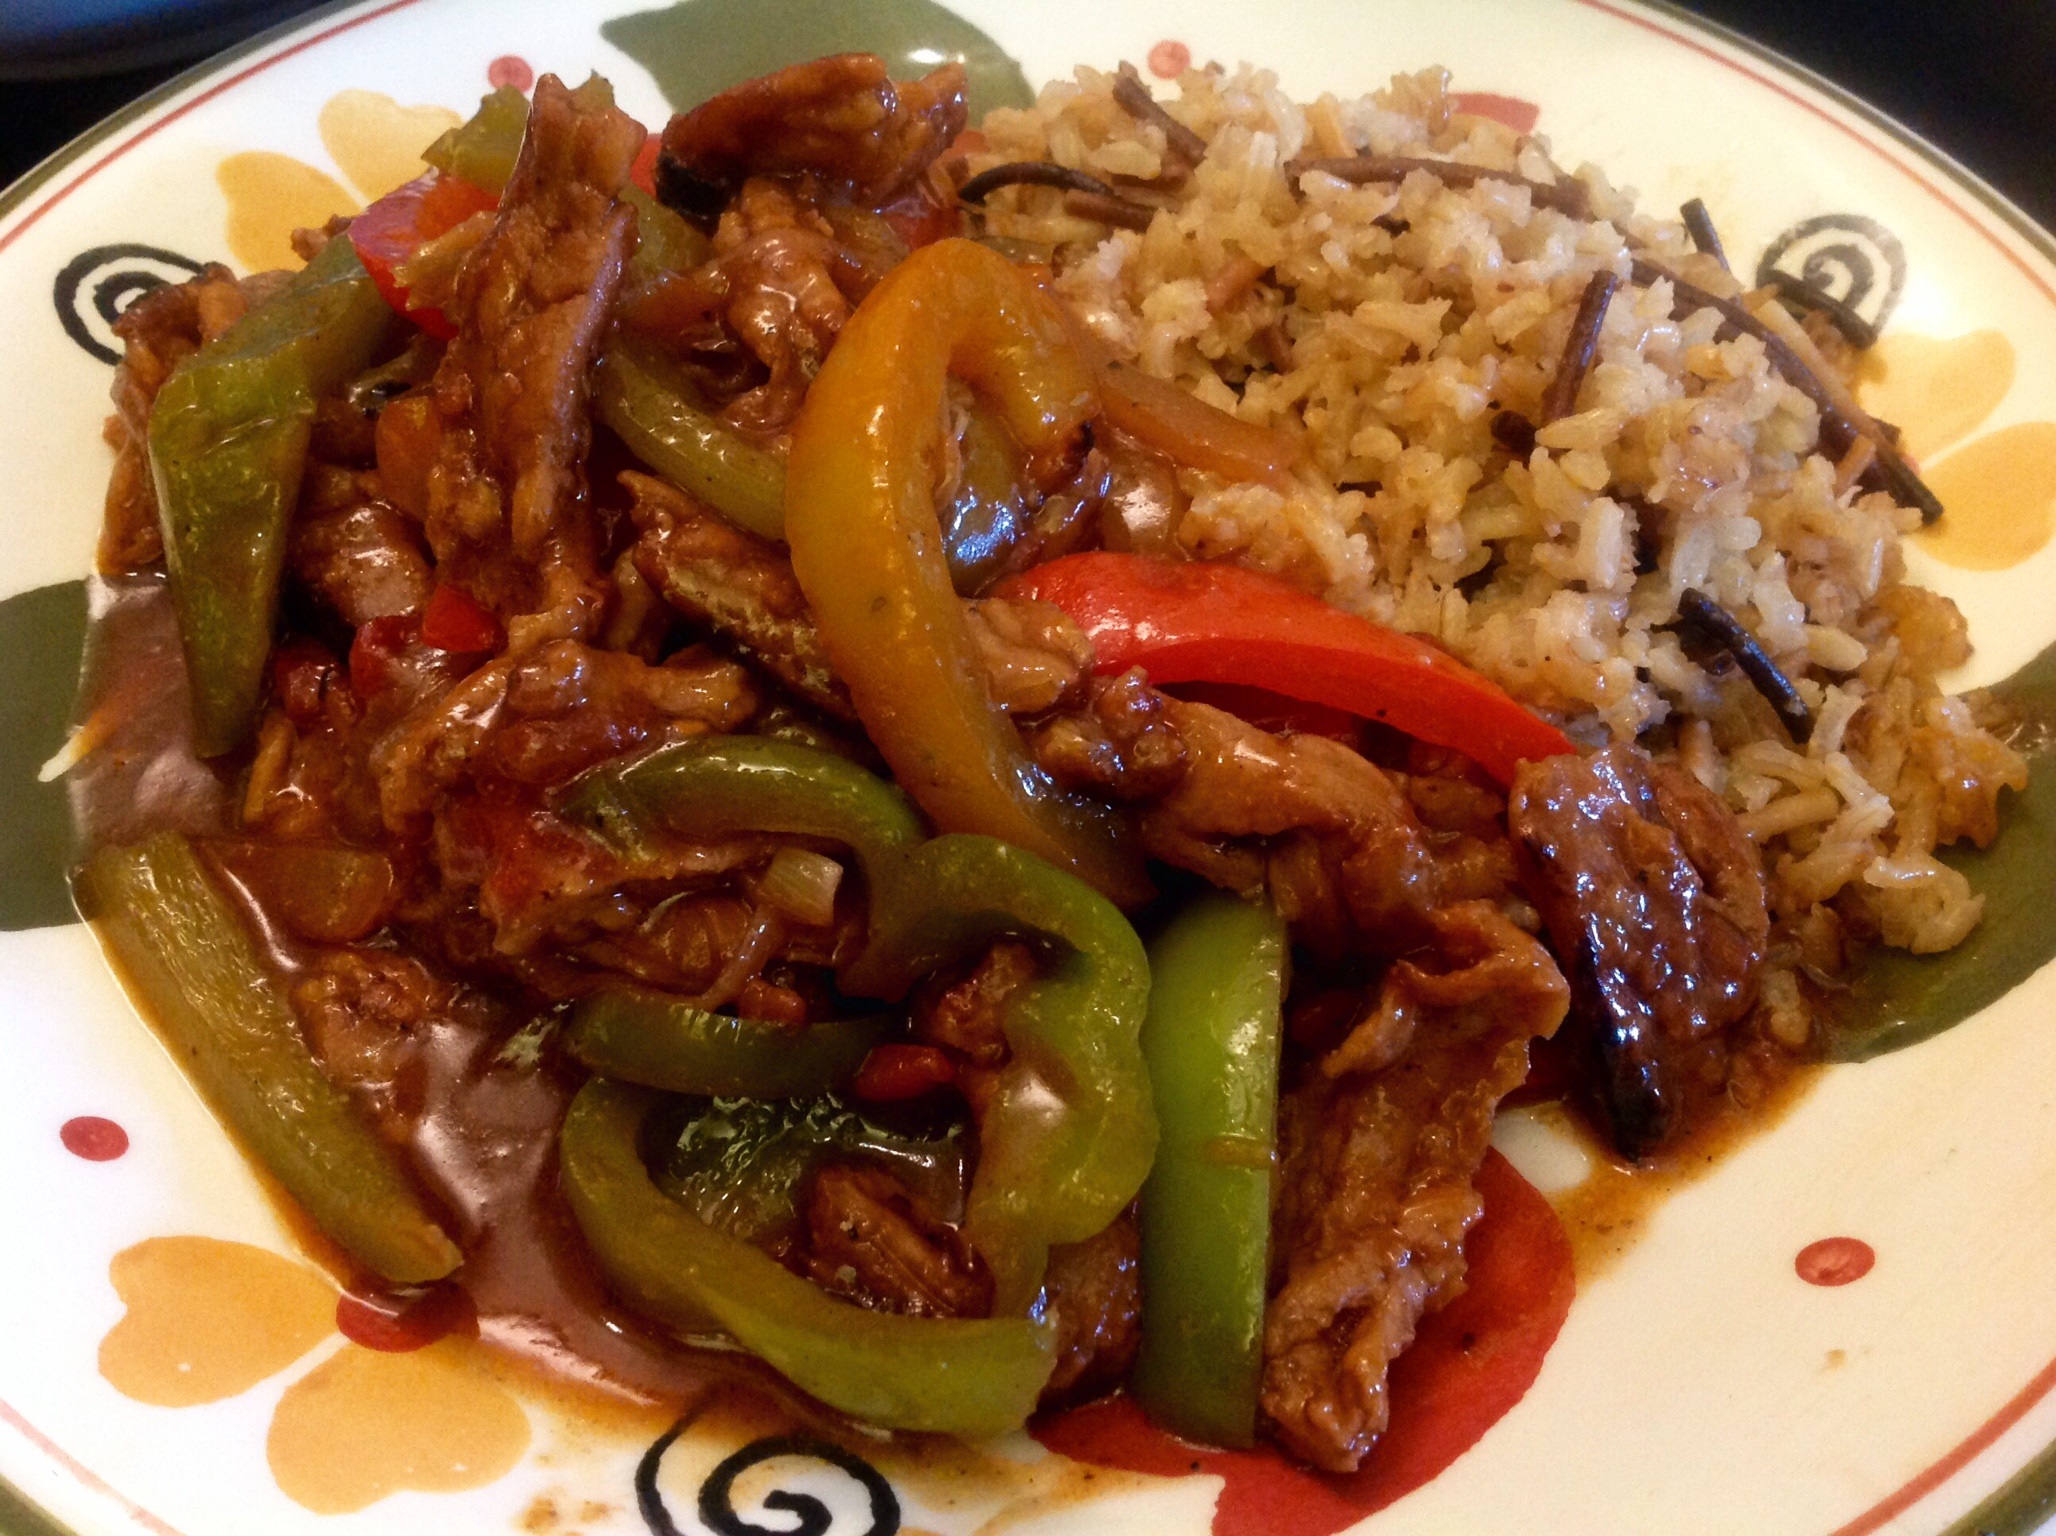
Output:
x=46 y=39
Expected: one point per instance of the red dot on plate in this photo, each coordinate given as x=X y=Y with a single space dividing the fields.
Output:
x=94 y=1139
x=396 y=1324
x=1169 y=59
x=1835 y=1261
x=510 y=69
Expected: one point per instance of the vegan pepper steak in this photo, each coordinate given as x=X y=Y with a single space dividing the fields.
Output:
x=967 y=761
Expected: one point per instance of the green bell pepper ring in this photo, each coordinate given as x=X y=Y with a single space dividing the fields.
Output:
x=1217 y=986
x=643 y=1036
x=717 y=786
x=1067 y=1138
x=972 y=1377
x=228 y=444
x=198 y=971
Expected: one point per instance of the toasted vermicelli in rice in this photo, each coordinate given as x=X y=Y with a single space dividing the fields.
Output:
x=1388 y=324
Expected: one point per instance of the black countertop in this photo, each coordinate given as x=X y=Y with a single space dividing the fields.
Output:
x=1973 y=76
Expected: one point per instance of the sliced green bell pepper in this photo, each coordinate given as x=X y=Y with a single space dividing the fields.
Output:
x=660 y=419
x=228 y=444
x=1217 y=987
x=717 y=786
x=199 y=975
x=664 y=242
x=483 y=148
x=971 y=1377
x=647 y=1037
x=1067 y=1137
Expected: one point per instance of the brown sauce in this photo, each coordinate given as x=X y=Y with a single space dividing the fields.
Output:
x=482 y=1132
x=480 y=1137
x=1606 y=1213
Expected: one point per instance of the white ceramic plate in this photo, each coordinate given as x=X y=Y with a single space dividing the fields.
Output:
x=1700 y=1383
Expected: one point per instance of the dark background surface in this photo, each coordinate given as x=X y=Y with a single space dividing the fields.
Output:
x=1977 y=77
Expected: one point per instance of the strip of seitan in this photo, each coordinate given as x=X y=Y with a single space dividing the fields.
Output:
x=737 y=585
x=507 y=511
x=1379 y=1146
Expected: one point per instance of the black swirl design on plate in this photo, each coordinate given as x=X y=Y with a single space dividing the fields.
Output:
x=96 y=286
x=717 y=1510
x=1849 y=267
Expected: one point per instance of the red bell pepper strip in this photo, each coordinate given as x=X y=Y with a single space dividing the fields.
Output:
x=644 y=172
x=404 y=220
x=375 y=653
x=454 y=621
x=897 y=1071
x=1207 y=623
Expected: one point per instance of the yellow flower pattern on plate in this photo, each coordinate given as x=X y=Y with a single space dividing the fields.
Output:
x=1998 y=493
x=209 y=1320
x=375 y=142
x=364 y=1424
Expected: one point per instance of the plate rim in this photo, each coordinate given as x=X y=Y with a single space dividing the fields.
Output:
x=2027 y=1497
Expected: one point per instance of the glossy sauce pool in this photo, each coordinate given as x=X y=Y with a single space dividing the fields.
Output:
x=482 y=1134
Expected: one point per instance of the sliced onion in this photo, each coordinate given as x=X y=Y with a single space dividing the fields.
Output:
x=802 y=884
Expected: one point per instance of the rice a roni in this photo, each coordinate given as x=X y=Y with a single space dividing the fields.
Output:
x=1386 y=325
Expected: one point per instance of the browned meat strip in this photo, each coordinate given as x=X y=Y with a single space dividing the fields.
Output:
x=870 y=1239
x=1325 y=830
x=1450 y=793
x=1334 y=839
x=1377 y=1152
x=743 y=587
x=689 y=945
x=365 y=563
x=570 y=706
x=1119 y=745
x=1092 y=1292
x=737 y=585
x=965 y=1015
x=160 y=330
x=1654 y=898
x=841 y=117
x=783 y=281
x=307 y=782
x=1035 y=658
x=360 y=1010
x=536 y=879
x=507 y=513
x=543 y=717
